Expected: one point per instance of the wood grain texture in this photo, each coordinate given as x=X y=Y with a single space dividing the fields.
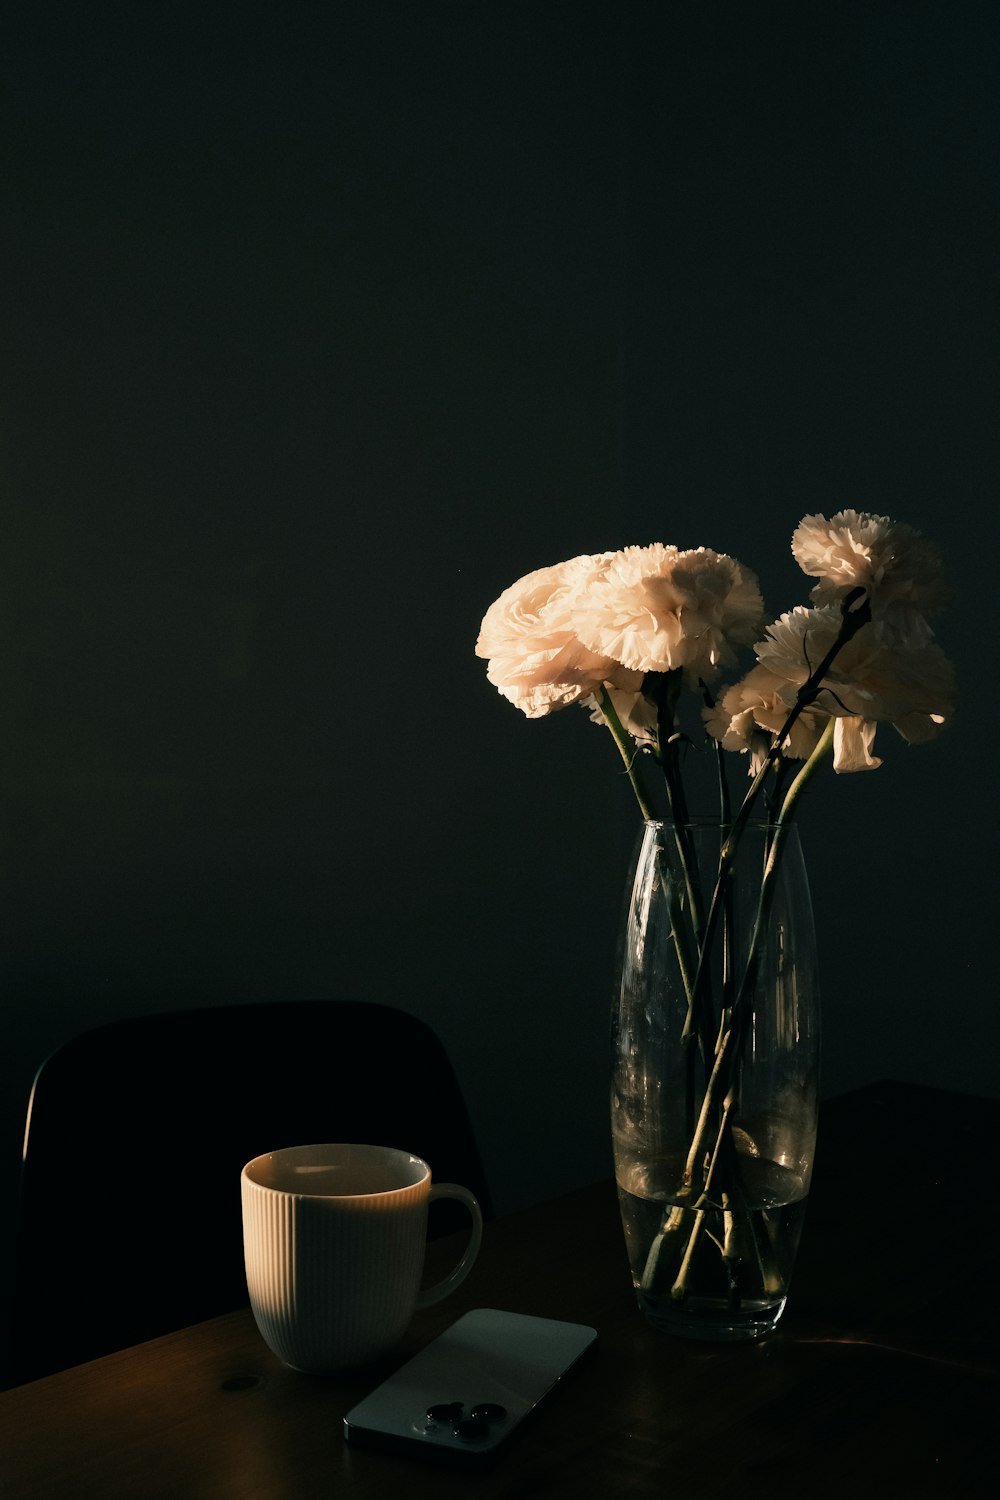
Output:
x=882 y=1379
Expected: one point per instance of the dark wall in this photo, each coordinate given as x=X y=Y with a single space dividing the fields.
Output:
x=312 y=342
x=812 y=283
x=323 y=323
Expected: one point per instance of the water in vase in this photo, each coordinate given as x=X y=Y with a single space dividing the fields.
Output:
x=721 y=1270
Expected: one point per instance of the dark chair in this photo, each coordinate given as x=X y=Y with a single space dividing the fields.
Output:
x=130 y=1222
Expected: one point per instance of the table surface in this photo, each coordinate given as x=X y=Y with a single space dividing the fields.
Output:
x=882 y=1378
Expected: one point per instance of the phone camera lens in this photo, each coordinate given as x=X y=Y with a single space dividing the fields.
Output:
x=444 y=1411
x=471 y=1428
x=489 y=1411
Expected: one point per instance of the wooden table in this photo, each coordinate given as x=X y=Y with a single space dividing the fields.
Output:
x=883 y=1378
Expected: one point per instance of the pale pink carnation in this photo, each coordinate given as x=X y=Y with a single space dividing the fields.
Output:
x=875 y=677
x=656 y=609
x=899 y=569
x=535 y=657
x=753 y=710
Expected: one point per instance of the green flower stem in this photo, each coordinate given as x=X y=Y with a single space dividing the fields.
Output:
x=852 y=620
x=665 y=689
x=697 y=1021
x=781 y=829
x=697 y=1148
x=729 y=1044
x=680 y=943
x=679 y=822
x=627 y=749
x=679 y=1288
x=628 y=752
x=723 y=1048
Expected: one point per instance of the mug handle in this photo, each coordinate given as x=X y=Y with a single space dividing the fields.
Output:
x=428 y=1295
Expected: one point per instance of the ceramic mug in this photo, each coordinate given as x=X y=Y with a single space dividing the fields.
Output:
x=334 y=1238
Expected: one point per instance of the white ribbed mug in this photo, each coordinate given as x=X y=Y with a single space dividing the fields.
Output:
x=334 y=1238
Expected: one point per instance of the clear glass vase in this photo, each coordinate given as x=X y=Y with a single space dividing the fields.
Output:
x=714 y=1087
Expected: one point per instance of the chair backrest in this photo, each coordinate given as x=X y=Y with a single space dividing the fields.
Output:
x=130 y=1221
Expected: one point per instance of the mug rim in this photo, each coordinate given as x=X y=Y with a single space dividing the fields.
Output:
x=387 y=1155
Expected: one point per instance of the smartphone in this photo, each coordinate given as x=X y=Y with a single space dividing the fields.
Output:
x=461 y=1399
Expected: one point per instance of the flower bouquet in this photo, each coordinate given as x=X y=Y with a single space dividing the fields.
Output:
x=714 y=1082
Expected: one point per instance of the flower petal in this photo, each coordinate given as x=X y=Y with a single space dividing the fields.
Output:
x=852 y=742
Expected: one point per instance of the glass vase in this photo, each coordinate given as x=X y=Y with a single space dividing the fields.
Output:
x=715 y=1061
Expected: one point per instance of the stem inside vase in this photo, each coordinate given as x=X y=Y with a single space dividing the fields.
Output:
x=714 y=1126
